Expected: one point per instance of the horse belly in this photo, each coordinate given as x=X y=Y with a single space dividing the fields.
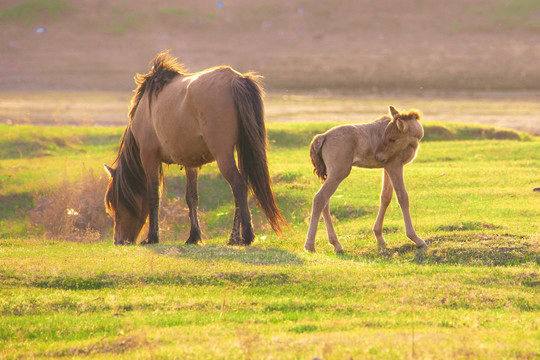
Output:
x=180 y=135
x=367 y=162
x=189 y=151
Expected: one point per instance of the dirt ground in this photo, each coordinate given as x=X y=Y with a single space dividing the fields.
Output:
x=364 y=45
x=388 y=49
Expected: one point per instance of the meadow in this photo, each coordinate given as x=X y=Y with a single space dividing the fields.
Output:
x=67 y=291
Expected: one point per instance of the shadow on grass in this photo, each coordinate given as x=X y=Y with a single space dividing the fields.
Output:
x=248 y=255
x=252 y=255
x=104 y=281
x=459 y=248
x=482 y=249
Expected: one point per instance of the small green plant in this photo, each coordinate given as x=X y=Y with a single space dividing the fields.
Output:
x=123 y=21
x=177 y=11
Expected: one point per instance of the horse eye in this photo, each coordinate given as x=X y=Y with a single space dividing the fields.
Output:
x=392 y=140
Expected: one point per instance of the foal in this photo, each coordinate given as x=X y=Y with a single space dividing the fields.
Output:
x=388 y=143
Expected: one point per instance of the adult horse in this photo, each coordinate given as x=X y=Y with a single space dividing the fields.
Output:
x=389 y=143
x=190 y=120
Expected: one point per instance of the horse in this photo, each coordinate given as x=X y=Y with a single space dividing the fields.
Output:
x=190 y=119
x=389 y=142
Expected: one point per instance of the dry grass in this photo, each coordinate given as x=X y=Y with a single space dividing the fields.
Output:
x=73 y=211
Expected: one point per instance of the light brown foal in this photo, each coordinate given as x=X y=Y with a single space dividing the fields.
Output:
x=389 y=143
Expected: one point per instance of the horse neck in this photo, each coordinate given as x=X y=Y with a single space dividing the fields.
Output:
x=376 y=129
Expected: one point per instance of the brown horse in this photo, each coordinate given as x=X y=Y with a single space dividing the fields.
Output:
x=388 y=143
x=190 y=120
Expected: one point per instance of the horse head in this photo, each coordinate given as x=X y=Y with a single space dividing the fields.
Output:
x=401 y=137
x=128 y=209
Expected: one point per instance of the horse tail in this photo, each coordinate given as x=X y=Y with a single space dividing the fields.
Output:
x=251 y=148
x=315 y=152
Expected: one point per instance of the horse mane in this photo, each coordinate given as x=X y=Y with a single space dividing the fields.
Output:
x=129 y=178
x=165 y=67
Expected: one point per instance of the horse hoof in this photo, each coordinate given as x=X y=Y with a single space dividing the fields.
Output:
x=309 y=249
x=234 y=242
x=422 y=247
x=339 y=252
x=191 y=241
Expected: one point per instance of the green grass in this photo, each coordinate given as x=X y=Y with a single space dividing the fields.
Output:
x=177 y=11
x=30 y=11
x=473 y=294
x=516 y=13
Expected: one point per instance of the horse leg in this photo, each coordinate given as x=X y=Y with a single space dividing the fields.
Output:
x=332 y=236
x=242 y=216
x=396 y=176
x=320 y=202
x=386 y=196
x=192 y=200
x=152 y=167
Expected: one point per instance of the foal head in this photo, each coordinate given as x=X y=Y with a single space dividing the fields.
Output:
x=127 y=208
x=401 y=137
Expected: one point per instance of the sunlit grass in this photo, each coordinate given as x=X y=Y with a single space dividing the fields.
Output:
x=473 y=294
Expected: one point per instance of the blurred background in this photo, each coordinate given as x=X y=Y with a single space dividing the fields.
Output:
x=338 y=46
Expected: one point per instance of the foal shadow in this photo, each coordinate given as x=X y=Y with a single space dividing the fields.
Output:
x=464 y=249
x=212 y=253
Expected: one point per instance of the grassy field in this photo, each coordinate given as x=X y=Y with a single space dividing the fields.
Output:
x=68 y=292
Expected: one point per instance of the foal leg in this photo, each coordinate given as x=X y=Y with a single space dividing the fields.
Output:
x=320 y=202
x=332 y=236
x=386 y=196
x=396 y=175
x=192 y=200
x=242 y=216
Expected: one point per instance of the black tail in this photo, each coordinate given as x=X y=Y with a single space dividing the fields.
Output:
x=316 y=157
x=247 y=95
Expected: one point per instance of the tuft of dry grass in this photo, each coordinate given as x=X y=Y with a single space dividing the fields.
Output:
x=174 y=220
x=73 y=210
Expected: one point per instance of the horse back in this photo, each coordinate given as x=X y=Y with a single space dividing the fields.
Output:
x=191 y=118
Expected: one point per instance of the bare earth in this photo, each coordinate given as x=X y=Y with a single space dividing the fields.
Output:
x=470 y=61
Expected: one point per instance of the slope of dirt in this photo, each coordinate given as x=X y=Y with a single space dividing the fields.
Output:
x=364 y=45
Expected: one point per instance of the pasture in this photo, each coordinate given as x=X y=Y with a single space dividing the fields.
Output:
x=68 y=292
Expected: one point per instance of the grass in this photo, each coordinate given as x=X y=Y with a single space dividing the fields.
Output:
x=473 y=294
x=516 y=13
x=30 y=11
x=177 y=11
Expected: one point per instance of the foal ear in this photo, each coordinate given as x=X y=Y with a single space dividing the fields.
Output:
x=393 y=111
x=402 y=125
x=109 y=170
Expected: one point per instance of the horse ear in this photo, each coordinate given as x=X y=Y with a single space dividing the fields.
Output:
x=393 y=111
x=109 y=170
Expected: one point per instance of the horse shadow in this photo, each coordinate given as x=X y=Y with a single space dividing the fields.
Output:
x=215 y=253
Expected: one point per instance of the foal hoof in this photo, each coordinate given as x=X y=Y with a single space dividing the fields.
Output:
x=310 y=249
x=422 y=247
